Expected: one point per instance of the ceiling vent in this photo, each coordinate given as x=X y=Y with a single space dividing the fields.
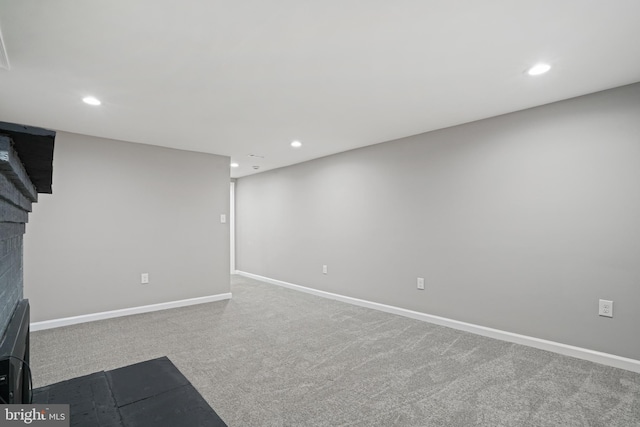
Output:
x=4 y=59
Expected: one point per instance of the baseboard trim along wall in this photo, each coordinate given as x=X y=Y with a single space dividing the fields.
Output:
x=57 y=323
x=564 y=349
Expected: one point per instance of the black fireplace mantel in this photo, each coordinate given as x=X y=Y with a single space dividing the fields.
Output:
x=34 y=147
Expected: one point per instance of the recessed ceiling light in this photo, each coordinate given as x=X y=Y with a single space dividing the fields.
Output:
x=91 y=100
x=296 y=144
x=234 y=165
x=538 y=69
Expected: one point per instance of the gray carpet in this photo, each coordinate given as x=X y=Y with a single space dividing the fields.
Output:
x=277 y=357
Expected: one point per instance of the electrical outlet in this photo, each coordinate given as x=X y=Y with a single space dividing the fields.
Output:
x=605 y=308
x=324 y=269
x=144 y=278
x=421 y=283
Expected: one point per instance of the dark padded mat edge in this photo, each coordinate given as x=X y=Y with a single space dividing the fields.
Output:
x=147 y=394
x=143 y=380
x=89 y=397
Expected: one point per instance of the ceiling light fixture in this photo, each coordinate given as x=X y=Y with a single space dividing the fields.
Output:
x=296 y=144
x=91 y=100
x=538 y=69
x=234 y=165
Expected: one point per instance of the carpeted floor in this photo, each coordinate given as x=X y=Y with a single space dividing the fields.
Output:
x=277 y=357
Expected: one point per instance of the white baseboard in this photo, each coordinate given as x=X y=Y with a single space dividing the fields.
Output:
x=564 y=349
x=66 y=321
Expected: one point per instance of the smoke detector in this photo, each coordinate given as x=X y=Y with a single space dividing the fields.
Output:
x=4 y=59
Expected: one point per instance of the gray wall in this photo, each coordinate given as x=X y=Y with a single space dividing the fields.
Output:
x=120 y=209
x=519 y=222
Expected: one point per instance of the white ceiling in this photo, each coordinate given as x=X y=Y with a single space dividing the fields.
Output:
x=240 y=77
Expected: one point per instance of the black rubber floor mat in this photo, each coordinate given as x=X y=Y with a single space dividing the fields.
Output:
x=90 y=400
x=144 y=380
x=148 y=394
x=182 y=406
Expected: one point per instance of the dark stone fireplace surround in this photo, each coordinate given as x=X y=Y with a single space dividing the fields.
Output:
x=26 y=163
x=17 y=193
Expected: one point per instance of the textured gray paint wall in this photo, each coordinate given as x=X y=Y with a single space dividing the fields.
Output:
x=519 y=222
x=121 y=209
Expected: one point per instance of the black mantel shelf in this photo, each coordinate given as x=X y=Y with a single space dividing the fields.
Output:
x=35 y=149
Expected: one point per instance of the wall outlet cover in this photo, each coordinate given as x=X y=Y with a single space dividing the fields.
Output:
x=605 y=308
